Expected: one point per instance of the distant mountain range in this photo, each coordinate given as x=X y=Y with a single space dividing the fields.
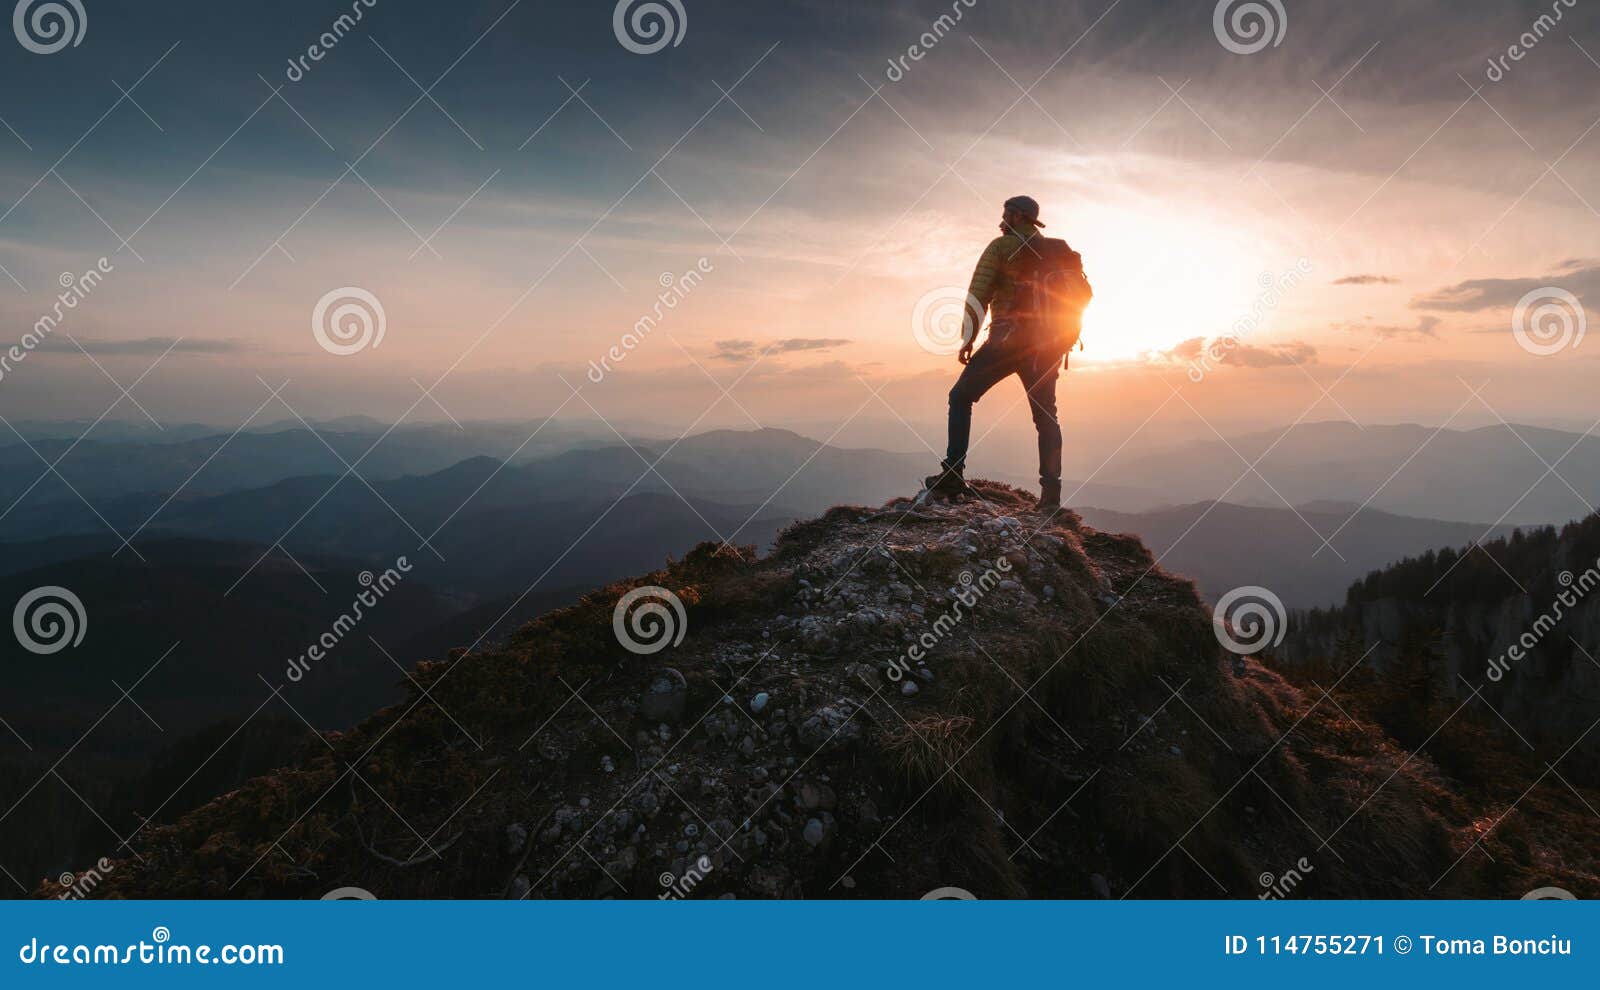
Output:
x=1224 y=546
x=1483 y=475
x=119 y=463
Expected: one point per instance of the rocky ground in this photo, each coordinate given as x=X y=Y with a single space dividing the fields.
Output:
x=895 y=700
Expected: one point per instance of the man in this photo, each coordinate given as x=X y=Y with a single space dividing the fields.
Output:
x=1028 y=338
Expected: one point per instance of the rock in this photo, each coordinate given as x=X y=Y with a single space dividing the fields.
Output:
x=829 y=727
x=516 y=838
x=1175 y=751
x=868 y=815
x=759 y=702
x=747 y=746
x=909 y=688
x=814 y=833
x=811 y=795
x=519 y=887
x=1102 y=889
x=664 y=702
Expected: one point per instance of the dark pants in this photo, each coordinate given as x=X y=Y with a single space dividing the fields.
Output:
x=1008 y=353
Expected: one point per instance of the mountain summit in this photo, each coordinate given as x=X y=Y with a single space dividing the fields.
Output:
x=894 y=702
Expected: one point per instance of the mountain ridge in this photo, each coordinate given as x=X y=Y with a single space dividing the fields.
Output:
x=895 y=699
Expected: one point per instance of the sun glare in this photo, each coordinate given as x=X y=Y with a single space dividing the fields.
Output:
x=1159 y=280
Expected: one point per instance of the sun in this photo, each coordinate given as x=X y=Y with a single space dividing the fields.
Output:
x=1159 y=280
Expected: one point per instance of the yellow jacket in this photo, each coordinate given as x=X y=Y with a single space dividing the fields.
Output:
x=993 y=286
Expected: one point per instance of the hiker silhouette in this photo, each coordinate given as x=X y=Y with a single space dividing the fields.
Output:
x=1035 y=292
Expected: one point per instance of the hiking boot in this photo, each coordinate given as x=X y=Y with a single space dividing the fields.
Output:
x=1049 y=496
x=947 y=482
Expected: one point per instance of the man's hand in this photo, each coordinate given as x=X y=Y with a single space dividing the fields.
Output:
x=965 y=354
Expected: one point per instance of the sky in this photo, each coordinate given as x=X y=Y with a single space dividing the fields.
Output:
x=1333 y=217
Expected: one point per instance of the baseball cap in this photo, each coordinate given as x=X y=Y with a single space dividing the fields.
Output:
x=1025 y=205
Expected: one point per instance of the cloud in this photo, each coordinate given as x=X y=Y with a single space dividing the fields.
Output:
x=1188 y=350
x=145 y=345
x=745 y=350
x=1480 y=294
x=1280 y=355
x=1367 y=280
x=1426 y=326
x=1221 y=350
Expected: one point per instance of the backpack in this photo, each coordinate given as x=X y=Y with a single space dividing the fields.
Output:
x=1052 y=289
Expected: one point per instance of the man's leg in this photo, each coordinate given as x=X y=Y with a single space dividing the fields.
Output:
x=986 y=367
x=1039 y=376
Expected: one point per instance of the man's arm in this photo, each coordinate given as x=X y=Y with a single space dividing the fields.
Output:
x=980 y=292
